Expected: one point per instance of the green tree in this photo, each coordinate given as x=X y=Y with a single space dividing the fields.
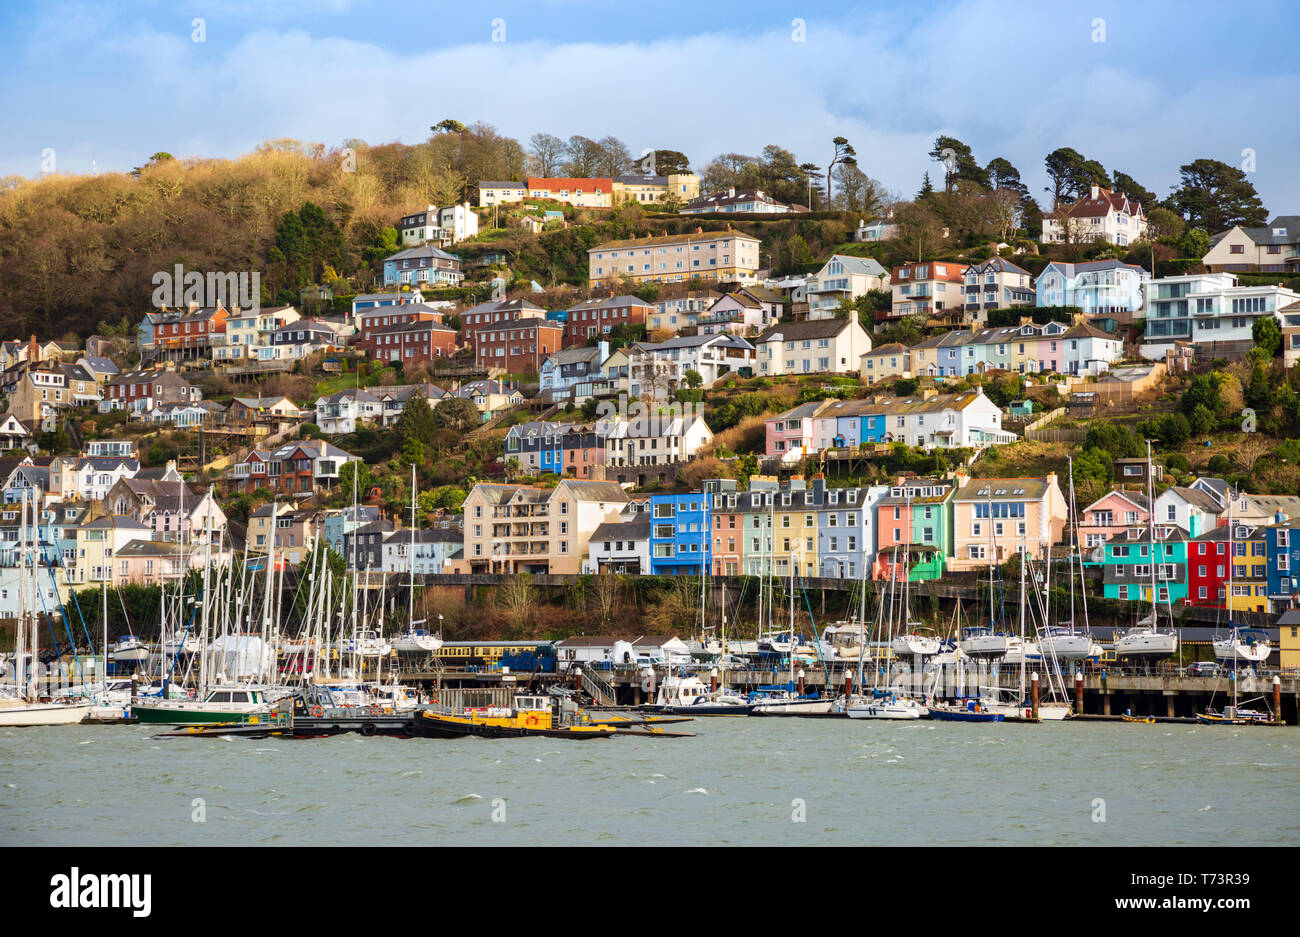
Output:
x=1267 y=336
x=456 y=413
x=1216 y=196
x=417 y=422
x=693 y=379
x=1194 y=243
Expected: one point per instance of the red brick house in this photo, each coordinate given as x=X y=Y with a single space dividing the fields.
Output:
x=517 y=347
x=383 y=317
x=294 y=468
x=496 y=313
x=597 y=317
x=413 y=342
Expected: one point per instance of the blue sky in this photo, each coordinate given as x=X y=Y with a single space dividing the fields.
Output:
x=1171 y=82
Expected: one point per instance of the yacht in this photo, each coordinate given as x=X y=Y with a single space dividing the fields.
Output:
x=913 y=643
x=129 y=650
x=884 y=705
x=983 y=641
x=1246 y=645
x=1062 y=642
x=417 y=641
x=689 y=694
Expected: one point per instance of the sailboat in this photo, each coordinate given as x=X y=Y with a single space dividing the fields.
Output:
x=25 y=708
x=986 y=641
x=243 y=703
x=886 y=702
x=1063 y=641
x=1146 y=639
x=414 y=640
x=790 y=703
x=1242 y=645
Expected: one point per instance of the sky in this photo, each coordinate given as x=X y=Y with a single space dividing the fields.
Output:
x=1142 y=88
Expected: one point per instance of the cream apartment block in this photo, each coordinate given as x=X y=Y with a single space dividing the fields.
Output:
x=580 y=193
x=676 y=258
x=523 y=529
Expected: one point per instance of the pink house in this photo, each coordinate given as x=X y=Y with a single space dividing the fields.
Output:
x=793 y=430
x=1111 y=514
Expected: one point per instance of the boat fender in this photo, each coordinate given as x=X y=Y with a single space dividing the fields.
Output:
x=367 y=729
x=317 y=711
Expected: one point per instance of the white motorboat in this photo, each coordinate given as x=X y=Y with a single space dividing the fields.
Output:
x=1146 y=642
x=179 y=642
x=417 y=641
x=129 y=650
x=1248 y=645
x=782 y=643
x=1006 y=701
x=366 y=644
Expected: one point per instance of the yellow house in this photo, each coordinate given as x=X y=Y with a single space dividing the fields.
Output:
x=887 y=362
x=683 y=186
x=794 y=532
x=1288 y=633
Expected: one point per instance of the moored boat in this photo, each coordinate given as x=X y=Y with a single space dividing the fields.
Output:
x=529 y=716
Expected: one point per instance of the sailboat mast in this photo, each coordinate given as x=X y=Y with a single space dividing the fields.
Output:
x=410 y=592
x=1151 y=535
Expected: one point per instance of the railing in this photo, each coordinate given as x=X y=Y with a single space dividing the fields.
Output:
x=599 y=689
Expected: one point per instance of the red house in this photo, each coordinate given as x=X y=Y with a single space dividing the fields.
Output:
x=598 y=316
x=382 y=317
x=517 y=347
x=1207 y=568
x=413 y=342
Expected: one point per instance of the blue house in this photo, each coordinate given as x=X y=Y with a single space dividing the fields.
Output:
x=537 y=445
x=1282 y=549
x=849 y=423
x=679 y=534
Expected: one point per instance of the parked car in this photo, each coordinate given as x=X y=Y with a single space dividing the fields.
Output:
x=1204 y=668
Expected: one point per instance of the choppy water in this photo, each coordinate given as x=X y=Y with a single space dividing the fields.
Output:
x=740 y=781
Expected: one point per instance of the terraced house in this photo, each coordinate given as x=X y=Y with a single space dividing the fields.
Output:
x=993 y=518
x=520 y=528
x=933 y=290
x=679 y=533
x=1127 y=565
x=914 y=529
x=597 y=317
x=812 y=346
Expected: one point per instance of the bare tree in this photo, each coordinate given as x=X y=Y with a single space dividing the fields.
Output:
x=517 y=599
x=547 y=150
x=609 y=587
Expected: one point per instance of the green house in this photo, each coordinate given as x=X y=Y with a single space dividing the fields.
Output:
x=1127 y=565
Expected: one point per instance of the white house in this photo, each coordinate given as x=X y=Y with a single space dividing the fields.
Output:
x=621 y=546
x=652 y=440
x=1097 y=287
x=1102 y=216
x=817 y=346
x=1211 y=311
x=843 y=279
x=657 y=370
x=340 y=413
x=433 y=547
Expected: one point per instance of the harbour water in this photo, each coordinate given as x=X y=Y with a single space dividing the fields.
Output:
x=795 y=782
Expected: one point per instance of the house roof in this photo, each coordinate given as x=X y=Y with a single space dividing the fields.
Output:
x=1289 y=225
x=665 y=239
x=637 y=528
x=980 y=489
x=1106 y=201
x=423 y=250
x=867 y=266
x=804 y=330
x=573 y=185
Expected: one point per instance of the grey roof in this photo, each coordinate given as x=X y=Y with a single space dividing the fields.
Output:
x=632 y=529
x=424 y=250
x=1290 y=225
x=101 y=364
x=807 y=329
x=862 y=265
x=426 y=535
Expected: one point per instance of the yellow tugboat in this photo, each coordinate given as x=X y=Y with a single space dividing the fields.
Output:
x=529 y=716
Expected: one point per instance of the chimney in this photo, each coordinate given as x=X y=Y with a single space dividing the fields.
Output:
x=1096 y=193
x=819 y=484
x=33 y=351
x=731 y=192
